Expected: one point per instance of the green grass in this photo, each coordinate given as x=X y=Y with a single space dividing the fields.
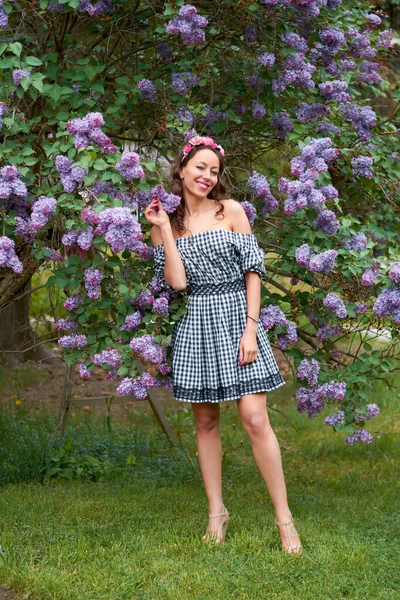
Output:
x=137 y=533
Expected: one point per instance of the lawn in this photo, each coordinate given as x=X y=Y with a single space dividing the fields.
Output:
x=136 y=533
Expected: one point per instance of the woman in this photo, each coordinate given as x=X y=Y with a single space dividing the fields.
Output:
x=220 y=349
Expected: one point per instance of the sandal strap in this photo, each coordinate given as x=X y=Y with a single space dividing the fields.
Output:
x=284 y=524
x=220 y=515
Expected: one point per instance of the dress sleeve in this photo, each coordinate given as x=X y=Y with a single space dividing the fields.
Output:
x=159 y=264
x=251 y=255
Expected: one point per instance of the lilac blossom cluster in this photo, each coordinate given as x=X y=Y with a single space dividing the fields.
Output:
x=3 y=112
x=3 y=16
x=250 y=211
x=169 y=201
x=295 y=41
x=326 y=331
x=147 y=90
x=8 y=258
x=71 y=177
x=258 y=110
x=314 y=158
x=82 y=238
x=294 y=71
x=138 y=386
x=357 y=242
x=317 y=263
x=336 y=305
x=144 y=299
x=370 y=276
x=111 y=358
x=93 y=278
x=102 y=187
x=10 y=182
x=326 y=222
x=189 y=24
x=362 y=166
x=182 y=82
x=362 y=435
x=65 y=324
x=100 y=8
x=73 y=341
x=282 y=124
x=388 y=304
x=18 y=74
x=184 y=115
x=132 y=322
x=88 y=129
x=311 y=112
x=372 y=410
x=267 y=59
x=260 y=187
x=73 y=302
x=311 y=400
x=273 y=315
x=129 y=166
x=42 y=208
x=84 y=372
x=362 y=118
x=148 y=349
x=394 y=272
x=120 y=229
x=335 y=418
x=160 y=306
x=309 y=370
x=369 y=72
x=334 y=91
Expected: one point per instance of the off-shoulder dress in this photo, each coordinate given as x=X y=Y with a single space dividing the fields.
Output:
x=205 y=341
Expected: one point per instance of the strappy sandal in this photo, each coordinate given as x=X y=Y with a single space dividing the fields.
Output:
x=292 y=548
x=217 y=537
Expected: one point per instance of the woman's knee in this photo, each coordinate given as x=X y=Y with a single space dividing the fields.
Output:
x=257 y=425
x=207 y=420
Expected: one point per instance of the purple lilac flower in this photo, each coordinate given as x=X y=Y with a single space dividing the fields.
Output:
x=333 y=389
x=378 y=240
x=160 y=306
x=309 y=370
x=129 y=166
x=362 y=118
x=267 y=59
x=10 y=182
x=145 y=298
x=41 y=211
x=111 y=358
x=370 y=276
x=282 y=124
x=189 y=24
x=361 y=308
x=182 y=82
x=89 y=216
x=394 y=272
x=93 y=278
x=189 y=133
x=84 y=372
x=372 y=410
x=259 y=110
x=335 y=91
x=70 y=176
x=332 y=39
x=309 y=402
x=70 y=237
x=294 y=40
x=65 y=324
x=384 y=39
x=357 y=242
x=327 y=222
x=250 y=34
x=3 y=107
x=369 y=72
x=347 y=65
x=132 y=322
x=336 y=305
x=335 y=418
x=55 y=256
x=165 y=52
x=311 y=112
x=360 y=44
x=145 y=251
x=169 y=201
x=250 y=211
x=73 y=341
x=388 y=304
x=8 y=258
x=87 y=129
x=25 y=229
x=328 y=128
x=295 y=72
x=73 y=302
x=362 y=166
x=326 y=331
x=303 y=255
x=85 y=238
x=374 y=19
x=148 y=349
x=18 y=74
x=255 y=82
x=184 y=115
x=120 y=229
x=314 y=158
x=3 y=16
x=272 y=315
x=323 y=262
x=362 y=435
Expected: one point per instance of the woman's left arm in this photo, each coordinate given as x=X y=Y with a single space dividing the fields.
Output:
x=248 y=342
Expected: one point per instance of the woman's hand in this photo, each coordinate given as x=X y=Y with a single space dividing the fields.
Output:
x=248 y=348
x=155 y=214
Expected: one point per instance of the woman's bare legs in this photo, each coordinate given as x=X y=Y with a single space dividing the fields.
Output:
x=206 y=416
x=267 y=454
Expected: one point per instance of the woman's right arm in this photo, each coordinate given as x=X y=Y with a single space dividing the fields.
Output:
x=161 y=233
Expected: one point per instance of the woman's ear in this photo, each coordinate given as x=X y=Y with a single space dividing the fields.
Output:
x=181 y=174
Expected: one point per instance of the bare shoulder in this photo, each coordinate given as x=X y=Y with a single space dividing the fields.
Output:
x=236 y=215
x=156 y=237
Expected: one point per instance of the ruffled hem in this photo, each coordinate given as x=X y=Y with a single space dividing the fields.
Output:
x=231 y=392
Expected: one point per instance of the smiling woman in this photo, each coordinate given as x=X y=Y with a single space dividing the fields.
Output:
x=220 y=350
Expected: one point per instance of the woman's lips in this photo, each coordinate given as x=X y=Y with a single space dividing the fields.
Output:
x=202 y=186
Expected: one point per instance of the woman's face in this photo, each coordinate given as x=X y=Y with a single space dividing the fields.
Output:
x=200 y=175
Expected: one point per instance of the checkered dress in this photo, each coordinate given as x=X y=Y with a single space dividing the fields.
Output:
x=205 y=341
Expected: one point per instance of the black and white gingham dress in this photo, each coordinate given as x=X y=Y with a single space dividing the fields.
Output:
x=205 y=341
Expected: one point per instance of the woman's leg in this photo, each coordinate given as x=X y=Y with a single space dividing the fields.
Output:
x=267 y=454
x=206 y=415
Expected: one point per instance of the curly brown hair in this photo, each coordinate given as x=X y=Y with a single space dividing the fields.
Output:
x=218 y=192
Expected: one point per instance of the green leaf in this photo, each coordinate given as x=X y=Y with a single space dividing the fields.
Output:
x=33 y=61
x=15 y=48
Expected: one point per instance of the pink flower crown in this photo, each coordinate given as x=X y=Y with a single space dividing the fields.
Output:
x=201 y=141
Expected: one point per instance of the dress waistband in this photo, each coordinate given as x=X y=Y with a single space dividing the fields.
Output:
x=219 y=287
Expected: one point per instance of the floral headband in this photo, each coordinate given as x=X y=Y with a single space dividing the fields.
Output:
x=201 y=141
